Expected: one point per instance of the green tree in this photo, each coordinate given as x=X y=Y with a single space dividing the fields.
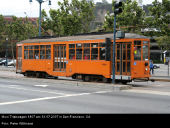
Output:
x=131 y=19
x=2 y=26
x=164 y=42
x=159 y=18
x=86 y=15
x=71 y=18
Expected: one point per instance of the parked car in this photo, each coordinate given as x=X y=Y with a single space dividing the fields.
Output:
x=12 y=63
x=156 y=66
x=2 y=61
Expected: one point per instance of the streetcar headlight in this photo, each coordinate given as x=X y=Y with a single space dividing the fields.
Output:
x=146 y=69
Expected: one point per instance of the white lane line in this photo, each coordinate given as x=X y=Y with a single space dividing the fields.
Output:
x=41 y=86
x=103 y=91
x=19 y=88
x=13 y=85
x=148 y=92
x=48 y=98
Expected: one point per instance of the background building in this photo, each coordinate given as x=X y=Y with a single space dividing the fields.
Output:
x=34 y=20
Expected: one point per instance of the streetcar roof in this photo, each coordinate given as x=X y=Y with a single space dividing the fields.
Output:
x=82 y=37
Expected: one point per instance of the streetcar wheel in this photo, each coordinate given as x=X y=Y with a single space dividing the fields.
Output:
x=74 y=77
x=105 y=80
x=87 y=78
x=124 y=82
x=37 y=74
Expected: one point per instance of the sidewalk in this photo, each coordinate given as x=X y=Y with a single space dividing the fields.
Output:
x=161 y=74
x=160 y=78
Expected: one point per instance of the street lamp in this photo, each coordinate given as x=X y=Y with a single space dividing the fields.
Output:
x=40 y=3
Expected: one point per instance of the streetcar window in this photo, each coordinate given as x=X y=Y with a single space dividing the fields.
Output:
x=86 y=54
x=65 y=52
x=48 y=51
x=124 y=66
x=61 y=51
x=124 y=54
x=86 y=45
x=25 y=47
x=128 y=51
x=31 y=54
x=129 y=45
x=61 y=64
x=128 y=66
x=36 y=54
x=36 y=47
x=79 y=51
x=94 y=45
x=94 y=53
x=42 y=52
x=78 y=54
x=25 y=54
x=137 y=53
x=118 y=54
x=145 y=42
x=71 y=45
x=30 y=47
x=64 y=64
x=145 y=52
x=78 y=45
x=72 y=54
x=102 y=44
x=102 y=53
x=118 y=66
x=118 y=51
x=137 y=42
x=137 y=50
x=128 y=54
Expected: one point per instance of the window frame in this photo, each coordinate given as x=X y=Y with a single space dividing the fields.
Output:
x=36 y=52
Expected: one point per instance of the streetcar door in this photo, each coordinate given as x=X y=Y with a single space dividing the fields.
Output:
x=19 y=59
x=123 y=57
x=60 y=57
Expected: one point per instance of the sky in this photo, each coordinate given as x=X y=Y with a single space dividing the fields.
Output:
x=23 y=8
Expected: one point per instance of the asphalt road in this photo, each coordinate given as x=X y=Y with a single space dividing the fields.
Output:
x=31 y=95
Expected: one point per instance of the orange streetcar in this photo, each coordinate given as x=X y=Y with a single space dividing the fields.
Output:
x=85 y=57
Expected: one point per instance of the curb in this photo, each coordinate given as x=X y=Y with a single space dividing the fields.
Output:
x=163 y=80
x=121 y=87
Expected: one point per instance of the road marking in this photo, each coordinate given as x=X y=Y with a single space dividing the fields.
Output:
x=49 y=98
x=103 y=91
x=18 y=88
x=148 y=92
x=41 y=86
x=13 y=85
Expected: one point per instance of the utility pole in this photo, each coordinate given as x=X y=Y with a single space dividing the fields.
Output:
x=40 y=3
x=117 y=10
x=6 y=52
x=168 y=66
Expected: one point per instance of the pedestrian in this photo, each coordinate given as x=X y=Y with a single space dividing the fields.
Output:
x=151 y=67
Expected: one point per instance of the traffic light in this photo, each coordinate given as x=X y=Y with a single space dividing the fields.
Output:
x=117 y=8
